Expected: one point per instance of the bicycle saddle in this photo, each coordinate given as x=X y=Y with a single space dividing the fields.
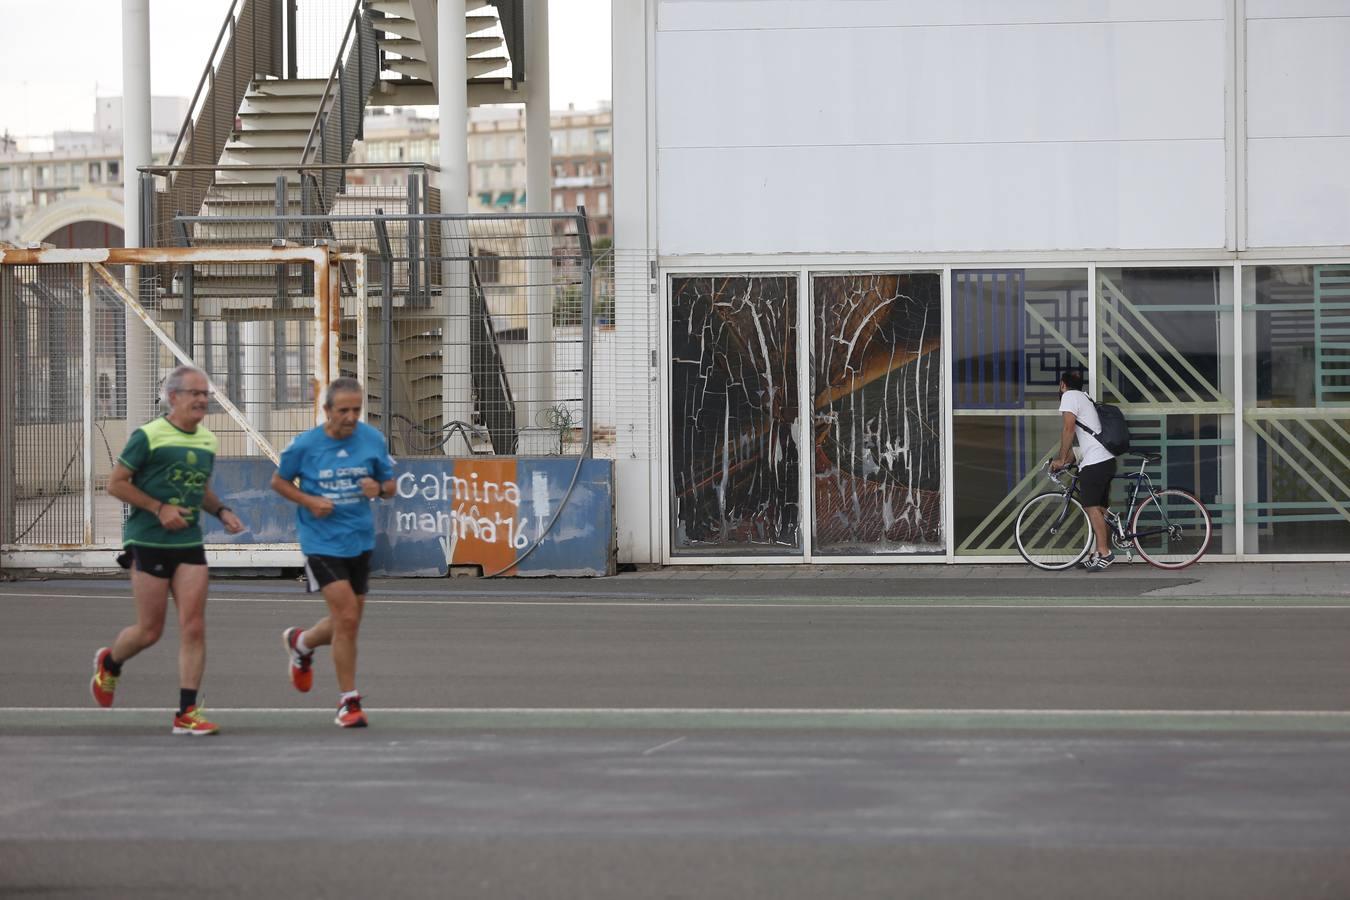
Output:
x=1148 y=457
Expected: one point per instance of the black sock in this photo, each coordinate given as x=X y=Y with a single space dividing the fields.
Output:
x=111 y=666
x=186 y=698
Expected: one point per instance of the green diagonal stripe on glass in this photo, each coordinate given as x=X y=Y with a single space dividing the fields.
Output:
x=1158 y=336
x=1015 y=498
x=1307 y=451
x=1302 y=473
x=1330 y=447
x=1123 y=369
x=1157 y=358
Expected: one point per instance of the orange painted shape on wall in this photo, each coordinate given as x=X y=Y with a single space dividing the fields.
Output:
x=487 y=514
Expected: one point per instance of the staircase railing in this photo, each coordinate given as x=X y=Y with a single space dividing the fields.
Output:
x=247 y=46
x=337 y=122
x=488 y=371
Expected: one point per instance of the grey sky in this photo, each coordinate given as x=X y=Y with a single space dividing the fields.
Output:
x=50 y=76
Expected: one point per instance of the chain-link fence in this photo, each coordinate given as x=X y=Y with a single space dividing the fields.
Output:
x=477 y=343
x=84 y=370
x=487 y=345
x=625 y=380
x=43 y=360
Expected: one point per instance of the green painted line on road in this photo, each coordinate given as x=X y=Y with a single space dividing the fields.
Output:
x=711 y=601
x=91 y=722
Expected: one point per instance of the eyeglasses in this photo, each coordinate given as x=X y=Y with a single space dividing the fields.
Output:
x=199 y=395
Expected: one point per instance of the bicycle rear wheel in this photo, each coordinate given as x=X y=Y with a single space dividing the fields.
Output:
x=1052 y=535
x=1171 y=529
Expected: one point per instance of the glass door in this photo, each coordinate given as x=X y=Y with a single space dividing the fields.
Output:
x=734 y=416
x=877 y=416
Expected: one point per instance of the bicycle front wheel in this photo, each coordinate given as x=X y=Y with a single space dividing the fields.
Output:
x=1171 y=529
x=1053 y=532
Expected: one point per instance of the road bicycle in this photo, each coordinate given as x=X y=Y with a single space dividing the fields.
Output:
x=1169 y=528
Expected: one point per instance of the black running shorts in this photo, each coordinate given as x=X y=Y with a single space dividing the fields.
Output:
x=321 y=571
x=161 y=562
x=1094 y=483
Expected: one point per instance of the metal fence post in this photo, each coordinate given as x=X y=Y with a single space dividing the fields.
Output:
x=387 y=324
x=234 y=364
x=362 y=331
x=426 y=236
x=186 y=337
x=322 y=374
x=412 y=239
x=275 y=61
x=9 y=400
x=292 y=56
x=279 y=302
x=87 y=407
x=587 y=328
x=147 y=235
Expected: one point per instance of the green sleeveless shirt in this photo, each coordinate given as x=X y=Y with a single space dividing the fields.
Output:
x=172 y=466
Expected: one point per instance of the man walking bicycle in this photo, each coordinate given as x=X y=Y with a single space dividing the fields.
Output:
x=1097 y=466
x=164 y=474
x=342 y=466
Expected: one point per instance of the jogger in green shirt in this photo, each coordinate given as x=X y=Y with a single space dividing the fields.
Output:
x=164 y=474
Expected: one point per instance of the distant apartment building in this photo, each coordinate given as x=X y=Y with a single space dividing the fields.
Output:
x=583 y=164
x=582 y=158
x=66 y=188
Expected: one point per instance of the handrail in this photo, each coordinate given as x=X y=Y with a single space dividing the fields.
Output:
x=390 y=217
x=321 y=115
x=169 y=169
x=207 y=74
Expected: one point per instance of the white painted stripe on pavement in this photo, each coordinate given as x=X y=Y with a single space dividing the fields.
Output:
x=659 y=603
x=716 y=710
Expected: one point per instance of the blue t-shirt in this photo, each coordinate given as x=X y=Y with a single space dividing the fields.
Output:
x=333 y=469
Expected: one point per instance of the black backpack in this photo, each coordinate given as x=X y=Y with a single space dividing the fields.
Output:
x=1115 y=433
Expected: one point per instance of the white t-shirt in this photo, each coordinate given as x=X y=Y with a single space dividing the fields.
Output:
x=1090 y=449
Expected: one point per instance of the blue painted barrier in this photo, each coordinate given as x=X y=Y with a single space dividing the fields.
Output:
x=494 y=513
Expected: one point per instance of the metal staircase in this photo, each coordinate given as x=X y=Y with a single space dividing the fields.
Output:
x=261 y=140
x=407 y=44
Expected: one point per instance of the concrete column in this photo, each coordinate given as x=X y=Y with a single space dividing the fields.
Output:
x=453 y=95
x=141 y=354
x=538 y=191
x=640 y=408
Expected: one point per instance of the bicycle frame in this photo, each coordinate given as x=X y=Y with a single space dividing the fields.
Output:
x=1115 y=522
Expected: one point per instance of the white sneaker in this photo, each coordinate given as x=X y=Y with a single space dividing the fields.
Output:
x=1101 y=563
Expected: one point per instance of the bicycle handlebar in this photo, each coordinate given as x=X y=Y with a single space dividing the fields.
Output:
x=1055 y=475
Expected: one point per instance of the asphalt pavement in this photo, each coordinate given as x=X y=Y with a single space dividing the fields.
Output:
x=701 y=733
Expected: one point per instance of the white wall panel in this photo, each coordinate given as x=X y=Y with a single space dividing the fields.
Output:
x=699 y=15
x=930 y=85
x=1129 y=195
x=1288 y=9
x=1298 y=192
x=1298 y=77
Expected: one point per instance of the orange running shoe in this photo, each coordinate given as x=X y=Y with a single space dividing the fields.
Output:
x=194 y=723
x=349 y=714
x=301 y=667
x=104 y=683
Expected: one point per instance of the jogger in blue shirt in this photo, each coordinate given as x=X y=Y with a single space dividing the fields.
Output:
x=341 y=466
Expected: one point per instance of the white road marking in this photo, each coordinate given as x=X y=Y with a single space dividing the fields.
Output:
x=659 y=747
x=718 y=710
x=1179 y=605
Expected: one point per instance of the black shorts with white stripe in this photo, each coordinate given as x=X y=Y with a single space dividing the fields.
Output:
x=321 y=571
